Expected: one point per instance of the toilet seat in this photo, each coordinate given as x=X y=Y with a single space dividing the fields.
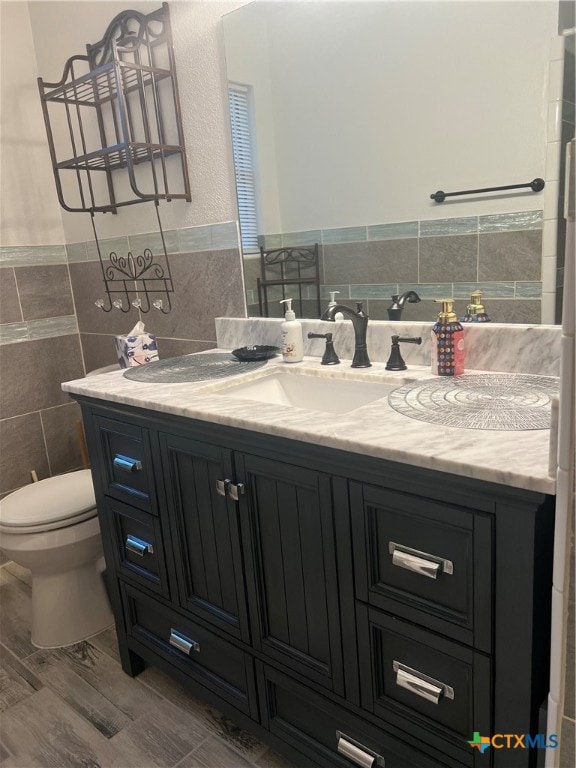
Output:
x=50 y=504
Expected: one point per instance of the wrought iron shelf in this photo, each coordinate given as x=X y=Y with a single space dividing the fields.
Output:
x=121 y=156
x=100 y=86
x=121 y=113
x=121 y=107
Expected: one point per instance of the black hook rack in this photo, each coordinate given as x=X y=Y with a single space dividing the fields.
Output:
x=537 y=185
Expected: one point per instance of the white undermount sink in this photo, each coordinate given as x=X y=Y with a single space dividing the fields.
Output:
x=315 y=393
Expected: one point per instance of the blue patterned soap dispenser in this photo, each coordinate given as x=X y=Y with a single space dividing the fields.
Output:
x=447 y=342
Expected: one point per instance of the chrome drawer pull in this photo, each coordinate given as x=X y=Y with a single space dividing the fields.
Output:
x=357 y=753
x=420 y=684
x=234 y=491
x=126 y=464
x=222 y=486
x=419 y=562
x=182 y=643
x=138 y=546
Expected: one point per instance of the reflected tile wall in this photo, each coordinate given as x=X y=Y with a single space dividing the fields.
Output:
x=500 y=255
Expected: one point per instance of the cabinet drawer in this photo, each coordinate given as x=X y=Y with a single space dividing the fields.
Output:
x=138 y=546
x=330 y=735
x=126 y=463
x=200 y=654
x=410 y=675
x=427 y=562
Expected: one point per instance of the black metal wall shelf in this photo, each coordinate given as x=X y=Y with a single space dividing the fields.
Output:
x=122 y=144
x=121 y=113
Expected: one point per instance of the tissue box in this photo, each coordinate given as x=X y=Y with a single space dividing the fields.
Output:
x=136 y=350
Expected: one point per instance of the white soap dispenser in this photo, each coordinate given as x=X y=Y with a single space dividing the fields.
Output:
x=291 y=335
x=333 y=302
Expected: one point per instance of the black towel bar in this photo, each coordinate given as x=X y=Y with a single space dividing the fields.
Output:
x=536 y=186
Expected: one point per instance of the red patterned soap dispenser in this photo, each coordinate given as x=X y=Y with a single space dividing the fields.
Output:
x=447 y=342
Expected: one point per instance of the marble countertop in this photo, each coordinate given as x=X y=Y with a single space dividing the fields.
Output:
x=515 y=458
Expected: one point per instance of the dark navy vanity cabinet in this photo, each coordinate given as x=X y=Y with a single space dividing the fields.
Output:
x=346 y=610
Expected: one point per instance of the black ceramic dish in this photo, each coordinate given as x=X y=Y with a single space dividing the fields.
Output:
x=255 y=352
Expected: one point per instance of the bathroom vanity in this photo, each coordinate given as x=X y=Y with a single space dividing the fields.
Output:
x=355 y=589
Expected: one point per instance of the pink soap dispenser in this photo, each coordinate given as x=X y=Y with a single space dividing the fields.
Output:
x=447 y=342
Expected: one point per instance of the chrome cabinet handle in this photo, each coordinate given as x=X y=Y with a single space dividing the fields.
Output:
x=126 y=464
x=416 y=682
x=138 y=546
x=222 y=486
x=234 y=491
x=357 y=753
x=419 y=562
x=183 y=643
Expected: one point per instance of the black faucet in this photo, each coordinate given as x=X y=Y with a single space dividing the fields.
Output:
x=360 y=324
x=395 y=309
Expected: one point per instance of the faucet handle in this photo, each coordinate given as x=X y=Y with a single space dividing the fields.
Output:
x=329 y=357
x=396 y=361
x=407 y=340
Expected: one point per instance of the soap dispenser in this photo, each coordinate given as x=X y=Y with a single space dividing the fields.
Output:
x=333 y=302
x=447 y=342
x=475 y=312
x=291 y=335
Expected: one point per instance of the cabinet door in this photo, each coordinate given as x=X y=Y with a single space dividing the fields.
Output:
x=286 y=516
x=205 y=535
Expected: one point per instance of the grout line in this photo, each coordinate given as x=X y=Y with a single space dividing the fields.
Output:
x=19 y=300
x=76 y=316
x=478 y=255
x=18 y=415
x=51 y=407
x=188 y=754
x=45 y=444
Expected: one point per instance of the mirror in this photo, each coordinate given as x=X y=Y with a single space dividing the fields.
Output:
x=356 y=112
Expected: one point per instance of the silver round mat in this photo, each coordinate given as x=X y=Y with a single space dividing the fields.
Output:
x=177 y=370
x=511 y=402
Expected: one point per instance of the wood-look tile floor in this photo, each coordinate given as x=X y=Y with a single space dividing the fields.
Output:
x=75 y=708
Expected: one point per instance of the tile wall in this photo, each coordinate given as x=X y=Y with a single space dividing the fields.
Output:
x=499 y=254
x=39 y=348
x=51 y=331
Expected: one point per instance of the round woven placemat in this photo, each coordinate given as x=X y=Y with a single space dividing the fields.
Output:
x=512 y=402
x=177 y=370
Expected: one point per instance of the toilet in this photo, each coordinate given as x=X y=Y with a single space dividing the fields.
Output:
x=51 y=527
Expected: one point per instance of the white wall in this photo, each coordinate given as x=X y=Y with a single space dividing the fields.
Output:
x=379 y=104
x=30 y=214
x=61 y=29
x=248 y=57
